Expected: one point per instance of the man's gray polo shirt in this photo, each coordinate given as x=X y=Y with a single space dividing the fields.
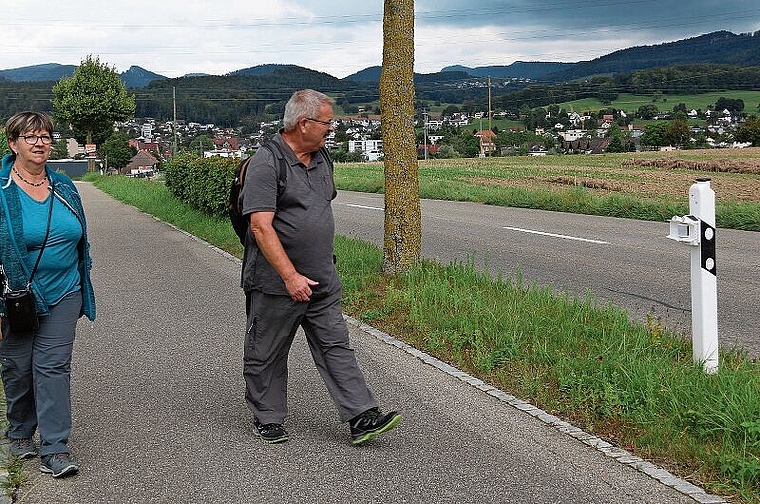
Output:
x=303 y=219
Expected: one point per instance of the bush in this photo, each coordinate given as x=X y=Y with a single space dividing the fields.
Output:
x=204 y=183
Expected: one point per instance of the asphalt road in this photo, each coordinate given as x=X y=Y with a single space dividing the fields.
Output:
x=626 y=262
x=159 y=414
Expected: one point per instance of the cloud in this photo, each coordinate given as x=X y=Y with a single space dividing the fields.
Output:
x=173 y=37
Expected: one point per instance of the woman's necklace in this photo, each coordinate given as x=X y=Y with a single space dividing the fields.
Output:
x=33 y=184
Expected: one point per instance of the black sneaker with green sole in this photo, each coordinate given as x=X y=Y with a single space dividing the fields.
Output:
x=271 y=433
x=371 y=424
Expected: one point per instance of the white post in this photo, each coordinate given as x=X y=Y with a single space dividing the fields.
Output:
x=704 y=290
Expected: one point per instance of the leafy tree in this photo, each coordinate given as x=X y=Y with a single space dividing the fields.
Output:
x=116 y=150
x=749 y=131
x=60 y=150
x=616 y=144
x=447 y=152
x=732 y=105
x=91 y=100
x=677 y=133
x=402 y=242
x=647 y=111
x=200 y=143
x=654 y=134
x=606 y=93
x=466 y=144
x=343 y=156
x=4 y=149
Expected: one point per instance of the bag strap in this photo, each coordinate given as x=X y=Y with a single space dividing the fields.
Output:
x=282 y=162
x=47 y=231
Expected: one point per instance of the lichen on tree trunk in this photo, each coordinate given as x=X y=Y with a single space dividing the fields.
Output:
x=403 y=220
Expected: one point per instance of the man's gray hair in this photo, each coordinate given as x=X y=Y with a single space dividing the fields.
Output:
x=304 y=103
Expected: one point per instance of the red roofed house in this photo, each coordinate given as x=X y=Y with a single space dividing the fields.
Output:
x=142 y=164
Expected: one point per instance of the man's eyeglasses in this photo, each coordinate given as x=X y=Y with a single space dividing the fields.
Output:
x=32 y=139
x=326 y=123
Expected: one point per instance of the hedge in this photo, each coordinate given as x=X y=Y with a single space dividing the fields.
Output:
x=204 y=183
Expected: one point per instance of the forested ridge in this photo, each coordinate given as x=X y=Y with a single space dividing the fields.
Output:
x=231 y=100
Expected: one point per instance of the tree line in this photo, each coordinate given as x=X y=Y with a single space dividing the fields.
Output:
x=237 y=100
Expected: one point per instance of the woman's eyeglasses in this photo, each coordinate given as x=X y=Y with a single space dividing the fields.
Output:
x=32 y=139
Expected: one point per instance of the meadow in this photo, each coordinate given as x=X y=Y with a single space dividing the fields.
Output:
x=631 y=102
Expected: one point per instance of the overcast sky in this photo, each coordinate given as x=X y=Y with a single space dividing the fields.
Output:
x=341 y=37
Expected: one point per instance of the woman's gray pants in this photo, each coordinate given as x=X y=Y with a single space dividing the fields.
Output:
x=36 y=370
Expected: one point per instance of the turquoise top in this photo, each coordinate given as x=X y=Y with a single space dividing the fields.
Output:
x=57 y=274
x=13 y=252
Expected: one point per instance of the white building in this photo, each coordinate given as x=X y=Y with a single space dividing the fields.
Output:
x=572 y=134
x=372 y=149
x=147 y=131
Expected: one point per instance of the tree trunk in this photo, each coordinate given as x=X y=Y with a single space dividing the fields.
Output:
x=403 y=221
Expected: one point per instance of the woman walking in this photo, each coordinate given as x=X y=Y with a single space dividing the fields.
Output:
x=43 y=250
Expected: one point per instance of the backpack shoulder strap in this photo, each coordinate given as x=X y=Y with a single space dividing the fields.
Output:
x=236 y=191
x=282 y=179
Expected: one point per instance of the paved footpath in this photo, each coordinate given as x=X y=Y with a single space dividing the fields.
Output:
x=159 y=413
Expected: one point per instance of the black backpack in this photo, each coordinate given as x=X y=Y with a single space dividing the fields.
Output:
x=241 y=224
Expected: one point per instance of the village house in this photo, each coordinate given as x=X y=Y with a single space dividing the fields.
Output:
x=487 y=144
x=142 y=164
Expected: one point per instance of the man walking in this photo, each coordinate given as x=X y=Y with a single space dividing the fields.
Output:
x=290 y=279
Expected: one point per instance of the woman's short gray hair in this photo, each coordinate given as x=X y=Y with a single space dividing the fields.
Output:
x=27 y=121
x=304 y=103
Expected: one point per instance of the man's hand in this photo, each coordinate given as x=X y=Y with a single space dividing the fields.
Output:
x=299 y=287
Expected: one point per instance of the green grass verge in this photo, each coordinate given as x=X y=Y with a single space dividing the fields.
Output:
x=632 y=384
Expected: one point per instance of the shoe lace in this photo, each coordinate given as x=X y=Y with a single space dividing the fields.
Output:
x=59 y=457
x=368 y=418
x=271 y=427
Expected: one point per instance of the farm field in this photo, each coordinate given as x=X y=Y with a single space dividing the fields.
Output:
x=657 y=176
x=645 y=186
x=631 y=103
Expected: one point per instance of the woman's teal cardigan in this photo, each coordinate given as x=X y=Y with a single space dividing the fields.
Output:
x=13 y=255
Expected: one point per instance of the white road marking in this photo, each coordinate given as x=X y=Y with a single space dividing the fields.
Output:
x=363 y=206
x=556 y=235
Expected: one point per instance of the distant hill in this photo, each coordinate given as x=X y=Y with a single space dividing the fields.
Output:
x=721 y=47
x=137 y=77
x=535 y=70
x=38 y=73
x=262 y=69
x=372 y=74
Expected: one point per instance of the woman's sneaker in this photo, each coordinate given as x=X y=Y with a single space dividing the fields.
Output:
x=371 y=424
x=23 y=448
x=58 y=464
x=271 y=433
